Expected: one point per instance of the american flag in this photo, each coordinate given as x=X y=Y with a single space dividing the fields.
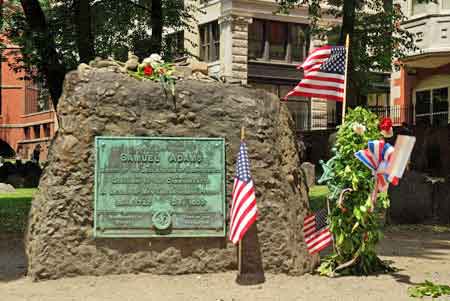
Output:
x=243 y=209
x=324 y=74
x=317 y=233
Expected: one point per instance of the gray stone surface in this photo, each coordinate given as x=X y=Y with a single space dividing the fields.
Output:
x=309 y=171
x=6 y=188
x=59 y=240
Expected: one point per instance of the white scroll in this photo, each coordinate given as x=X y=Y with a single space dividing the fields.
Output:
x=402 y=151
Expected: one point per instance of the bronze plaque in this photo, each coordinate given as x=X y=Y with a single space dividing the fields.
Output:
x=159 y=187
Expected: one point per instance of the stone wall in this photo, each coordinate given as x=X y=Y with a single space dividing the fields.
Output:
x=101 y=102
x=240 y=47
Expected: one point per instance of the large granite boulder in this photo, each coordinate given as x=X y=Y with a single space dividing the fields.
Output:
x=100 y=102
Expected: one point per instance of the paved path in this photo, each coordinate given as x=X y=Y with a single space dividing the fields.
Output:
x=418 y=255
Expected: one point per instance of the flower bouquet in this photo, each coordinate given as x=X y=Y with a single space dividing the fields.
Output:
x=154 y=68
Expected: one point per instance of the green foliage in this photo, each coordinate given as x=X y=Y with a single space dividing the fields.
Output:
x=14 y=209
x=117 y=27
x=318 y=197
x=430 y=289
x=355 y=225
x=376 y=36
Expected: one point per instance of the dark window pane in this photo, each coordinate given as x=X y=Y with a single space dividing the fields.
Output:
x=203 y=52
x=209 y=41
x=175 y=44
x=423 y=107
x=298 y=42
x=277 y=40
x=216 y=41
x=256 y=40
x=37 y=131
x=440 y=107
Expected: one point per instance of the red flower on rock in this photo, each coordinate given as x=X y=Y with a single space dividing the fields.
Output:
x=148 y=70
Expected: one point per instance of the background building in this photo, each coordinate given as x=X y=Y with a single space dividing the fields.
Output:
x=27 y=117
x=245 y=41
x=423 y=80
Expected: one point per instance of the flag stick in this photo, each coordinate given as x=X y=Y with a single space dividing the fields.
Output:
x=344 y=102
x=240 y=242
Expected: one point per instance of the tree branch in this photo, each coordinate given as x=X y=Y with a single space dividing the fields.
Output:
x=138 y=5
x=52 y=68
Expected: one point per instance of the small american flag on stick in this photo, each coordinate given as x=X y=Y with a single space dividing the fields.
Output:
x=317 y=233
x=243 y=209
x=324 y=74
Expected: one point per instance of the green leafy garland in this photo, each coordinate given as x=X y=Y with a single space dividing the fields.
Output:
x=354 y=223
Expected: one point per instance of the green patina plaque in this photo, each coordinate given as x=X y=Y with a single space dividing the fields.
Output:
x=159 y=187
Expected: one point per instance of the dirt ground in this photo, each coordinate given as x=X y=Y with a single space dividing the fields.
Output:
x=418 y=254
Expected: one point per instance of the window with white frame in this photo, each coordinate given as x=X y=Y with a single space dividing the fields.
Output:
x=209 y=41
x=432 y=107
x=445 y=4
x=277 y=41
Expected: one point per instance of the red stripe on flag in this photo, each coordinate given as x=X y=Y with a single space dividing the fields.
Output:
x=235 y=223
x=311 y=86
x=318 y=95
x=247 y=224
x=241 y=202
x=318 y=241
x=323 y=78
x=325 y=244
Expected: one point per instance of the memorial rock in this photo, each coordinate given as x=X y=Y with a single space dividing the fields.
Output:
x=60 y=240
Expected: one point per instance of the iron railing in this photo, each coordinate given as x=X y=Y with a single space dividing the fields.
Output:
x=398 y=114
x=307 y=120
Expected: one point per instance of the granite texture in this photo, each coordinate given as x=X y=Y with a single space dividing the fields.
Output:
x=101 y=102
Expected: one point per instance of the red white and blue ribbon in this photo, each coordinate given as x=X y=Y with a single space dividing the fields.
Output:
x=377 y=158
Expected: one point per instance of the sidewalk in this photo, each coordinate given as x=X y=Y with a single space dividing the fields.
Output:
x=417 y=255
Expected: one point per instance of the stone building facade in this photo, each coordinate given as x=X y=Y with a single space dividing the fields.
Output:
x=27 y=117
x=245 y=41
x=423 y=81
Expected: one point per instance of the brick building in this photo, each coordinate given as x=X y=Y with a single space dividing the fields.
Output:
x=423 y=81
x=27 y=117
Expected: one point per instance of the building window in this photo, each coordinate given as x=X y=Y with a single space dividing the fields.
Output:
x=420 y=7
x=46 y=127
x=277 y=41
x=209 y=41
x=37 y=98
x=37 y=131
x=26 y=133
x=175 y=44
x=432 y=107
x=377 y=99
x=445 y=4
x=256 y=39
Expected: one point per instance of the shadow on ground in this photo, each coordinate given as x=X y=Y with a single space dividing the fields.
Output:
x=13 y=260
x=416 y=244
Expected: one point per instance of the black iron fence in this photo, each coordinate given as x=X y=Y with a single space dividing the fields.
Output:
x=307 y=120
x=398 y=114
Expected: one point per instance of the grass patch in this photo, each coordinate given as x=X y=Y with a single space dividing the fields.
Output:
x=318 y=197
x=14 y=209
